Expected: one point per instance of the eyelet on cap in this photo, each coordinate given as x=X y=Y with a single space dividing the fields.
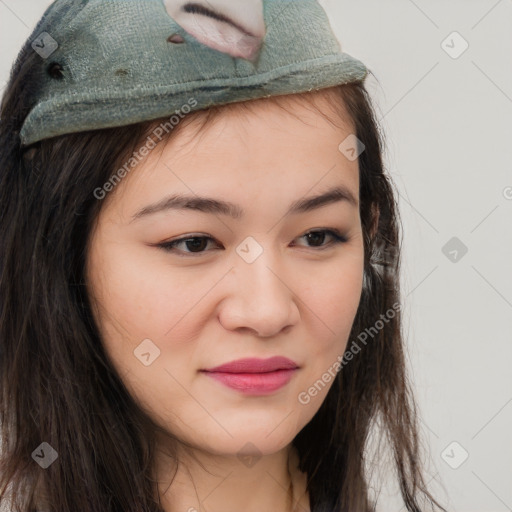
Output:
x=176 y=39
x=54 y=69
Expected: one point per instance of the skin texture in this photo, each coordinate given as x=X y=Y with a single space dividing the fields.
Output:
x=203 y=309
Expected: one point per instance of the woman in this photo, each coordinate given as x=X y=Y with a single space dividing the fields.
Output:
x=200 y=253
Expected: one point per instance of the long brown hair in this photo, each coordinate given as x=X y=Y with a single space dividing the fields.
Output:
x=57 y=385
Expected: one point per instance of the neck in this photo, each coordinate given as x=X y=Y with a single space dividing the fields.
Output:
x=204 y=482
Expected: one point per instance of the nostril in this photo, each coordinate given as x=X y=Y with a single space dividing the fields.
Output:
x=176 y=39
x=121 y=72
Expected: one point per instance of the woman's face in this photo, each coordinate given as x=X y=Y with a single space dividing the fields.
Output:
x=260 y=278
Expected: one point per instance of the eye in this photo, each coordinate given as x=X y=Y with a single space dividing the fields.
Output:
x=198 y=244
x=318 y=236
x=194 y=244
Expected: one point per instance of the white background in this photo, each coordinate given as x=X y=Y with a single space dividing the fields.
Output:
x=449 y=151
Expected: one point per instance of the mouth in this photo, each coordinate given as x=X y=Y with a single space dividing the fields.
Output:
x=254 y=376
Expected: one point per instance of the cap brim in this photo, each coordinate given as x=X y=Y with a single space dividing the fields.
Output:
x=95 y=109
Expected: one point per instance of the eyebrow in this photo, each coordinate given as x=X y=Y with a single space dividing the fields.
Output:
x=216 y=206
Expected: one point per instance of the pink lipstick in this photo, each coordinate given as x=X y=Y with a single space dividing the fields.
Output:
x=254 y=376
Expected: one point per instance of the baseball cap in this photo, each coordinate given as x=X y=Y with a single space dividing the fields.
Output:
x=109 y=63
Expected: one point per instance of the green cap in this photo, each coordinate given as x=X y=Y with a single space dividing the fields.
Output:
x=108 y=63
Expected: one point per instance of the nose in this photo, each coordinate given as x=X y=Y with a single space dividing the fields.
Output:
x=260 y=298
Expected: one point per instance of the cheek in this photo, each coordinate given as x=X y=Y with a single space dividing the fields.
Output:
x=333 y=296
x=149 y=313
x=142 y=298
x=140 y=294
x=332 y=304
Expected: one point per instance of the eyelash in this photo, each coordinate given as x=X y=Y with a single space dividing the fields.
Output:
x=170 y=246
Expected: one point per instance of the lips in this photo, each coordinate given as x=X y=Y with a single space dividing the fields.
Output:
x=253 y=365
x=254 y=376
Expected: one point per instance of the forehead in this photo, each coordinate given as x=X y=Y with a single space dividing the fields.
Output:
x=280 y=146
x=328 y=103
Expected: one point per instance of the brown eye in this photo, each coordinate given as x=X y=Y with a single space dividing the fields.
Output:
x=190 y=245
x=317 y=238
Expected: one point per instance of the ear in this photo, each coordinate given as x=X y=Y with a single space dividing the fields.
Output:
x=235 y=27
